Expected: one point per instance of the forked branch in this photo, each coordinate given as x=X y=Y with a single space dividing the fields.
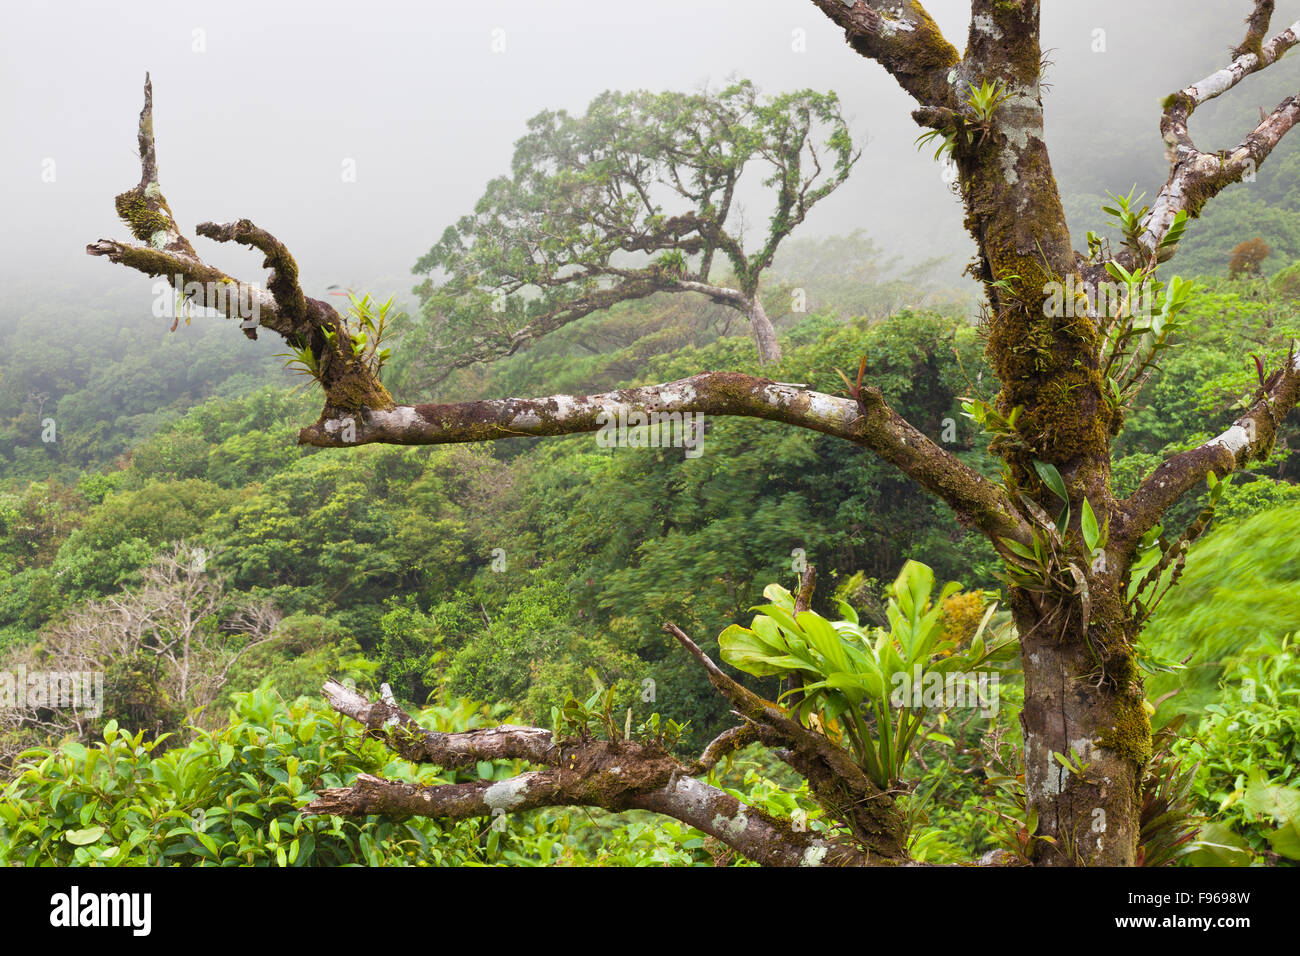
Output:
x=613 y=775
x=306 y=324
x=1249 y=438
x=905 y=40
x=1196 y=176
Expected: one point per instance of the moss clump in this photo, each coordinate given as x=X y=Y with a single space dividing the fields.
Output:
x=140 y=217
x=933 y=50
x=1254 y=43
x=1068 y=419
x=355 y=391
x=1130 y=737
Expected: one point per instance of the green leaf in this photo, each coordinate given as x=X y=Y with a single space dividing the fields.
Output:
x=1052 y=478
x=847 y=611
x=1088 y=522
x=1217 y=845
x=1119 y=272
x=1015 y=547
x=1278 y=803
x=744 y=650
x=869 y=681
x=823 y=639
x=1285 y=841
x=83 y=837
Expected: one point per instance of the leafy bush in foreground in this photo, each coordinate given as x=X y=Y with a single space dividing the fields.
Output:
x=233 y=798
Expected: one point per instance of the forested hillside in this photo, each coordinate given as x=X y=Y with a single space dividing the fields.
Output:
x=491 y=582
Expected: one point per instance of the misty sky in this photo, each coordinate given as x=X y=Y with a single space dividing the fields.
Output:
x=257 y=112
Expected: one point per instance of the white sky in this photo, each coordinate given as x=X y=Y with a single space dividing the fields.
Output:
x=259 y=123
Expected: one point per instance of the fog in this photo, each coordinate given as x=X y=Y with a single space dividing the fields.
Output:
x=261 y=109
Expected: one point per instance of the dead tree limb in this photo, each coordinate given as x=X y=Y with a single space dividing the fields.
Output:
x=1196 y=176
x=613 y=775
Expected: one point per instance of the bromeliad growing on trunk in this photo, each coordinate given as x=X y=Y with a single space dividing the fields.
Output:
x=870 y=690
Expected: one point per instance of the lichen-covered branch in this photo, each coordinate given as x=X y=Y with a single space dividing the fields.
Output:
x=308 y=325
x=613 y=775
x=402 y=734
x=869 y=422
x=1196 y=176
x=904 y=39
x=1249 y=438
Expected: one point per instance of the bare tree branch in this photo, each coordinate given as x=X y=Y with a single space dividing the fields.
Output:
x=723 y=745
x=1250 y=437
x=869 y=422
x=359 y=410
x=613 y=775
x=303 y=322
x=457 y=751
x=1195 y=176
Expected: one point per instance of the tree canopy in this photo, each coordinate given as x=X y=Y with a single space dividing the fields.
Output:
x=639 y=195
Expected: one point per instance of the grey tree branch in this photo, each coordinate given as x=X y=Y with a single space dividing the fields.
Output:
x=1196 y=176
x=1250 y=437
x=613 y=775
x=869 y=422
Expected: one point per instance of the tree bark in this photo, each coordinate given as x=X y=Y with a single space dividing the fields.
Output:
x=1075 y=633
x=769 y=350
x=1092 y=718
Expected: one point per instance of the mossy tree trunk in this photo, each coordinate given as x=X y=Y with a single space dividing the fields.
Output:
x=1080 y=684
x=1084 y=703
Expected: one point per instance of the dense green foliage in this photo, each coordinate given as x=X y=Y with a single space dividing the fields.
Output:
x=506 y=573
x=232 y=798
